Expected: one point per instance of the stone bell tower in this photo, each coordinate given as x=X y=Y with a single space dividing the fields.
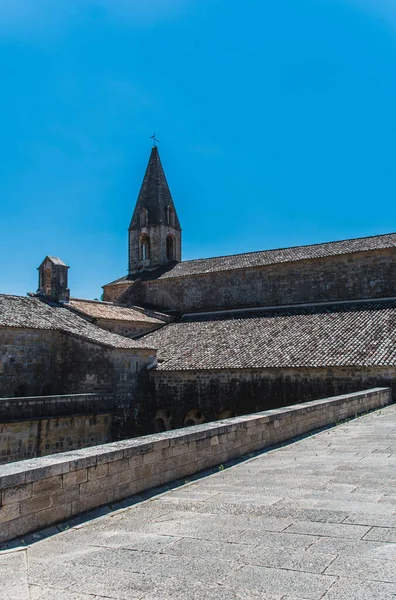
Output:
x=154 y=231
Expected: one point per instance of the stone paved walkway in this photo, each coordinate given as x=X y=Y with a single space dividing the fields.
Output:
x=314 y=519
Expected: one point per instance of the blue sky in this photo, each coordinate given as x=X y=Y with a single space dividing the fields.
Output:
x=276 y=121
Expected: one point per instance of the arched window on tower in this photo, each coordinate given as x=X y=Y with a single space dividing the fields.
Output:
x=144 y=217
x=170 y=215
x=170 y=247
x=144 y=247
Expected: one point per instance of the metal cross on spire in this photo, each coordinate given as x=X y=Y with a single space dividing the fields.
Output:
x=155 y=141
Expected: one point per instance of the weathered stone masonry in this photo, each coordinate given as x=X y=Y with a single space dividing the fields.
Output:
x=177 y=396
x=344 y=277
x=36 y=362
x=38 y=493
x=44 y=425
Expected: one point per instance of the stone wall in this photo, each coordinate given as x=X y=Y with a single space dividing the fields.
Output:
x=28 y=439
x=38 y=493
x=200 y=396
x=157 y=235
x=127 y=328
x=42 y=362
x=38 y=426
x=346 y=277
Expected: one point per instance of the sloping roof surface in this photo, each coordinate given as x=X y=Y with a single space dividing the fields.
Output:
x=107 y=310
x=57 y=261
x=267 y=257
x=32 y=313
x=154 y=195
x=361 y=334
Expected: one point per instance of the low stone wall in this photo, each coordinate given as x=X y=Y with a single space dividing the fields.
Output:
x=44 y=491
x=41 y=425
x=33 y=407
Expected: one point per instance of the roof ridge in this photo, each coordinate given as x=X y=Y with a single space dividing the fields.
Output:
x=40 y=315
x=367 y=237
x=277 y=307
x=104 y=302
x=264 y=258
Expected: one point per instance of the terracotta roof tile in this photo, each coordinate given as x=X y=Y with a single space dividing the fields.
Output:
x=107 y=310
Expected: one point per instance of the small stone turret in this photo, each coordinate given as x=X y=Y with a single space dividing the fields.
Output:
x=154 y=231
x=53 y=274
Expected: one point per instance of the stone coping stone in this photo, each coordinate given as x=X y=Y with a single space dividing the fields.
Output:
x=36 y=407
x=31 y=470
x=53 y=397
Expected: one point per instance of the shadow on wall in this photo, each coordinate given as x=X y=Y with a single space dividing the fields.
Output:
x=164 y=421
x=21 y=390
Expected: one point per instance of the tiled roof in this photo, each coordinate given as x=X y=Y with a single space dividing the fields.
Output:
x=267 y=257
x=360 y=334
x=107 y=310
x=32 y=313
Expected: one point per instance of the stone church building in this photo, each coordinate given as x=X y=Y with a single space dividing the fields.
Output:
x=204 y=339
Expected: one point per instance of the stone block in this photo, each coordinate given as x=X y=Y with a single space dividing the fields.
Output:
x=126 y=489
x=135 y=461
x=54 y=515
x=119 y=465
x=202 y=444
x=17 y=493
x=223 y=457
x=8 y=478
x=167 y=452
x=226 y=438
x=95 y=486
x=138 y=447
x=202 y=464
x=98 y=471
x=48 y=485
x=111 y=456
x=86 y=503
x=168 y=476
x=83 y=462
x=9 y=512
x=21 y=526
x=152 y=457
x=4 y=535
x=186 y=470
x=75 y=477
x=105 y=483
x=65 y=495
x=35 y=504
x=185 y=459
x=183 y=448
x=161 y=444
x=145 y=471
x=52 y=466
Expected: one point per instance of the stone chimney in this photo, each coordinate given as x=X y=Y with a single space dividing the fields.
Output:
x=53 y=274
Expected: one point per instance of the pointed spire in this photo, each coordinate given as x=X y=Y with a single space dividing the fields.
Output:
x=154 y=195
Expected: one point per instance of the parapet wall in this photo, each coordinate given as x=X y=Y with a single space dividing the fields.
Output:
x=33 y=407
x=41 y=425
x=43 y=491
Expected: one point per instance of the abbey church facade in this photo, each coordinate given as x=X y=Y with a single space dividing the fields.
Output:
x=198 y=340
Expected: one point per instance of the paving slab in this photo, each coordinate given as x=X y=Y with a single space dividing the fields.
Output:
x=355 y=589
x=381 y=534
x=312 y=520
x=306 y=585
